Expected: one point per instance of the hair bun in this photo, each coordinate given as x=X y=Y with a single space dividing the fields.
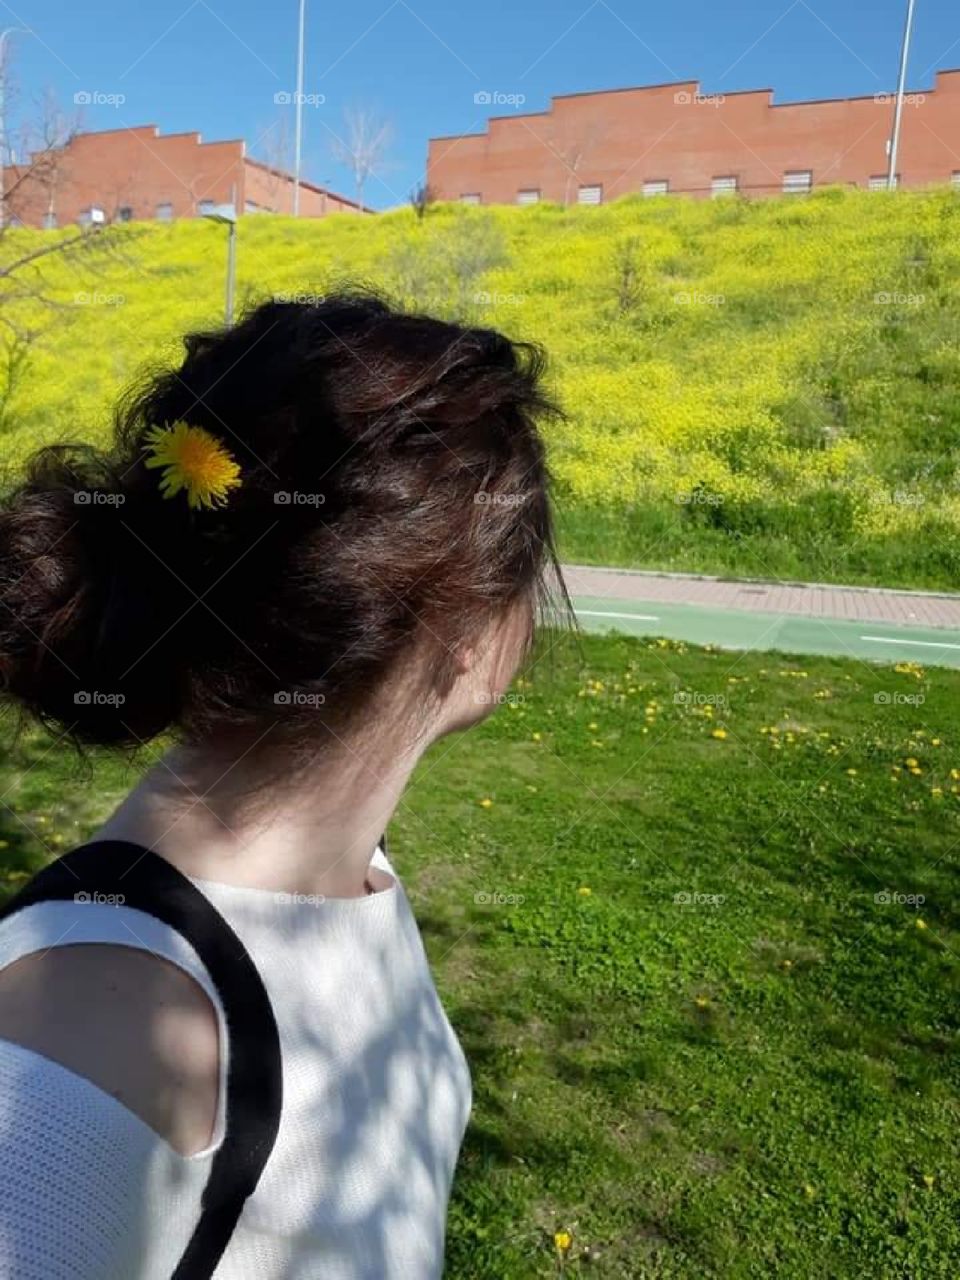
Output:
x=82 y=626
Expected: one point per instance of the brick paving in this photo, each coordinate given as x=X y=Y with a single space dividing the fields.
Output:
x=807 y=600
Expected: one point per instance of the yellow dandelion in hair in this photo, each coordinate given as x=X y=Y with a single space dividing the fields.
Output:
x=195 y=461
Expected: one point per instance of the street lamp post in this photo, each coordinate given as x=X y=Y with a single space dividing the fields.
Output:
x=227 y=215
x=901 y=85
x=298 y=106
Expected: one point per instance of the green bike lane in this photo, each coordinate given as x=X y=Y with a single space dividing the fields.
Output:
x=868 y=641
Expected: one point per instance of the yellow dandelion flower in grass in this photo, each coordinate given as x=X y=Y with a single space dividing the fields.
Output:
x=928 y=1180
x=536 y=736
x=563 y=1240
x=584 y=891
x=921 y=924
x=911 y=762
x=718 y=733
x=486 y=803
x=195 y=461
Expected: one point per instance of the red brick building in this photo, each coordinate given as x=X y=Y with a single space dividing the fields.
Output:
x=119 y=175
x=593 y=147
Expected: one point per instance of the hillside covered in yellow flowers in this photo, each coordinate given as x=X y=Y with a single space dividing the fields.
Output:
x=760 y=388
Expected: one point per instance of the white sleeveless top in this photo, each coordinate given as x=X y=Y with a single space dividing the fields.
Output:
x=376 y=1095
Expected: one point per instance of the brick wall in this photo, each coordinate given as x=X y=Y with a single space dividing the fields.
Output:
x=622 y=139
x=140 y=173
x=271 y=190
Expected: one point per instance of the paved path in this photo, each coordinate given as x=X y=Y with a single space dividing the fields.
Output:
x=871 y=624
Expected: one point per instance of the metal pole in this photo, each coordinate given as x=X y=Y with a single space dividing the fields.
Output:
x=231 y=259
x=299 y=109
x=231 y=270
x=898 y=109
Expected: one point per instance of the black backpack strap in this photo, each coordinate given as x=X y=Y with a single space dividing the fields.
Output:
x=254 y=1086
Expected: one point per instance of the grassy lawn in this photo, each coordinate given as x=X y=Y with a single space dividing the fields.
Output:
x=669 y=897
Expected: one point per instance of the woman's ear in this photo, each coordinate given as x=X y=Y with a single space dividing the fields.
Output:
x=465 y=658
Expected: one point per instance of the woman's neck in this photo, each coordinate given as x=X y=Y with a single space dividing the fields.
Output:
x=313 y=832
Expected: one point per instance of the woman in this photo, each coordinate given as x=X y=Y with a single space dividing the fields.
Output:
x=316 y=548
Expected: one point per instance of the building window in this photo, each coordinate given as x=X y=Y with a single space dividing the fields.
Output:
x=165 y=212
x=92 y=217
x=206 y=207
x=470 y=197
x=591 y=194
x=725 y=186
x=955 y=178
x=879 y=182
x=251 y=206
x=529 y=195
x=798 y=181
x=125 y=213
x=50 y=221
x=658 y=187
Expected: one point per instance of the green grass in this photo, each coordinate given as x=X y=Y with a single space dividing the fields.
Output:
x=757 y=1081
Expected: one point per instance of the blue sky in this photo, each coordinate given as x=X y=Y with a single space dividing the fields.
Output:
x=216 y=65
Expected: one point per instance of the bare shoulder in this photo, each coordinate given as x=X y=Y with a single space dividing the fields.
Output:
x=132 y=1023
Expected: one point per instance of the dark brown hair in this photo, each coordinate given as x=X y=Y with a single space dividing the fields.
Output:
x=393 y=488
